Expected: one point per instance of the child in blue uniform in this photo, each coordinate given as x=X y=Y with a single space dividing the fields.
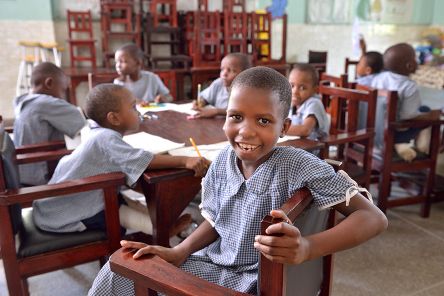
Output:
x=112 y=107
x=250 y=178
x=310 y=118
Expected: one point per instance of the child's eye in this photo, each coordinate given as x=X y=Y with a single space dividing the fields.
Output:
x=264 y=121
x=236 y=117
x=301 y=87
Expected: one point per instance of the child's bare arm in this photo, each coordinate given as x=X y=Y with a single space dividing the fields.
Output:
x=304 y=129
x=209 y=112
x=343 y=236
x=198 y=164
x=200 y=238
x=163 y=98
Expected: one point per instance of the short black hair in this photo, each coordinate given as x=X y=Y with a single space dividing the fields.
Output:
x=375 y=61
x=101 y=100
x=397 y=56
x=267 y=79
x=133 y=50
x=43 y=71
x=244 y=60
x=307 y=68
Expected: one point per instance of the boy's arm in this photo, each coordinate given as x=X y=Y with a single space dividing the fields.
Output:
x=204 y=235
x=209 y=112
x=304 y=129
x=293 y=248
x=163 y=98
x=197 y=164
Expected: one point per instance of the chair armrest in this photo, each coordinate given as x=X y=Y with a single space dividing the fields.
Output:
x=9 y=129
x=418 y=123
x=46 y=146
x=157 y=274
x=41 y=156
x=343 y=138
x=29 y=194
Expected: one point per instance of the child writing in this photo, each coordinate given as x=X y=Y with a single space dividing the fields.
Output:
x=218 y=92
x=44 y=116
x=250 y=178
x=112 y=107
x=145 y=86
x=309 y=118
x=400 y=62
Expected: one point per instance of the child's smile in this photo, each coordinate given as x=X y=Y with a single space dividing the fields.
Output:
x=253 y=125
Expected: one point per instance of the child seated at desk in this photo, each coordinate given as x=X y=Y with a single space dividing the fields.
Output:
x=370 y=64
x=308 y=116
x=112 y=107
x=248 y=179
x=145 y=86
x=400 y=62
x=217 y=93
x=44 y=116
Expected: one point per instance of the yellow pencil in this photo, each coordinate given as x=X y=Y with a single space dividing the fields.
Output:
x=195 y=147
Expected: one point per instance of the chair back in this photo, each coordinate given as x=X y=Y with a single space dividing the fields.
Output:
x=9 y=176
x=234 y=6
x=79 y=22
x=317 y=57
x=164 y=11
x=348 y=63
x=260 y=30
x=208 y=35
x=99 y=78
x=235 y=32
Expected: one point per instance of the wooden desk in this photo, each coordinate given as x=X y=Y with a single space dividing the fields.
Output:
x=175 y=188
x=79 y=75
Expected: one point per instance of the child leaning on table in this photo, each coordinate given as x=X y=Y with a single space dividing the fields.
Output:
x=112 y=107
x=249 y=179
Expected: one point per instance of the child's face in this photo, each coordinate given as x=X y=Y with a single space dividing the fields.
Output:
x=302 y=87
x=362 y=68
x=128 y=116
x=126 y=64
x=229 y=68
x=253 y=124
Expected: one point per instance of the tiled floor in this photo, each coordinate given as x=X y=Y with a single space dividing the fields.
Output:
x=408 y=259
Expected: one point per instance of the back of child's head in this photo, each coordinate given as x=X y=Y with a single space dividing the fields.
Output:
x=309 y=69
x=133 y=51
x=374 y=61
x=43 y=71
x=102 y=99
x=400 y=58
x=267 y=79
x=242 y=60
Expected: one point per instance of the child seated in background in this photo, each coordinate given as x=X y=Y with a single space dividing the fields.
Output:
x=250 y=178
x=44 y=116
x=370 y=64
x=308 y=115
x=217 y=93
x=145 y=86
x=112 y=107
x=400 y=62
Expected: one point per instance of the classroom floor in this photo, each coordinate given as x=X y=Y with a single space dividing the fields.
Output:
x=407 y=259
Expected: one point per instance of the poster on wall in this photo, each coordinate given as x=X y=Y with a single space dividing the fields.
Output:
x=385 y=11
x=329 y=11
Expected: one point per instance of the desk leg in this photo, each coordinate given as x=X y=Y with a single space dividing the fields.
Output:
x=166 y=201
x=72 y=90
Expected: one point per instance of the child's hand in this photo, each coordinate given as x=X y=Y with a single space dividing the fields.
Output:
x=158 y=99
x=170 y=255
x=290 y=247
x=198 y=164
x=195 y=105
x=205 y=112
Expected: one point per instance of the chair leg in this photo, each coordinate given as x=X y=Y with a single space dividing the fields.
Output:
x=384 y=191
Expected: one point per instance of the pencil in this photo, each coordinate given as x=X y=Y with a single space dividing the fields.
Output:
x=195 y=147
x=199 y=103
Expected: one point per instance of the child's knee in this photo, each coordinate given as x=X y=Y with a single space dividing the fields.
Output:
x=423 y=140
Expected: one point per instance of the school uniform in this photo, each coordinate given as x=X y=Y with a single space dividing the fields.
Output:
x=235 y=206
x=147 y=87
x=216 y=94
x=104 y=151
x=42 y=118
x=366 y=80
x=312 y=107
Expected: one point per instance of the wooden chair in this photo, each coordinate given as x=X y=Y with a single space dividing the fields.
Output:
x=235 y=32
x=154 y=273
x=234 y=6
x=391 y=167
x=38 y=251
x=354 y=144
x=164 y=11
x=261 y=37
x=98 y=78
x=350 y=63
x=207 y=43
x=202 y=5
x=80 y=34
x=319 y=60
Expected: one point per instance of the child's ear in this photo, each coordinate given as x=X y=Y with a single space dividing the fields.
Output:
x=113 y=118
x=48 y=83
x=368 y=70
x=286 y=125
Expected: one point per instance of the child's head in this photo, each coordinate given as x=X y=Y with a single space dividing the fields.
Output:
x=129 y=59
x=257 y=114
x=48 y=79
x=401 y=59
x=113 y=106
x=231 y=65
x=370 y=63
x=303 y=79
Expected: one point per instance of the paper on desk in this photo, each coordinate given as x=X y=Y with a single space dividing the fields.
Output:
x=288 y=138
x=182 y=108
x=151 y=143
x=208 y=151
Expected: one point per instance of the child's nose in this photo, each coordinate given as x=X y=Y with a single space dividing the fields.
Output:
x=247 y=131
